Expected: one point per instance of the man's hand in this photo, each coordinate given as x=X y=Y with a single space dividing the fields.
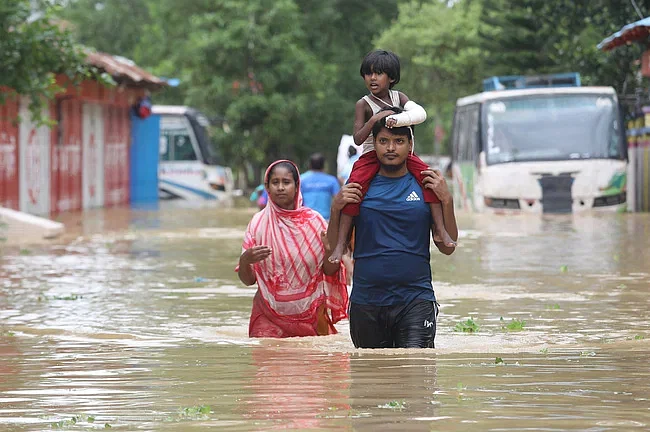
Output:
x=434 y=180
x=254 y=255
x=349 y=194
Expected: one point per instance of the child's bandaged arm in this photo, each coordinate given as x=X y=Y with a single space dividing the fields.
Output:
x=413 y=114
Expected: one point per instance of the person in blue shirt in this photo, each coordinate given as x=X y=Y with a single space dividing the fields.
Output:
x=317 y=187
x=393 y=304
x=260 y=197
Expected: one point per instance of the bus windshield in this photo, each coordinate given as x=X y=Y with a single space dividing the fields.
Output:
x=211 y=154
x=551 y=127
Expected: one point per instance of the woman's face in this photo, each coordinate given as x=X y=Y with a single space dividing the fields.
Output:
x=282 y=188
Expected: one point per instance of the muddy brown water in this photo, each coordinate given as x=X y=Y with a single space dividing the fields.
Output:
x=136 y=320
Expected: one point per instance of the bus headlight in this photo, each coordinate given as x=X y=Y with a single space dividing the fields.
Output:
x=219 y=185
x=610 y=200
x=503 y=203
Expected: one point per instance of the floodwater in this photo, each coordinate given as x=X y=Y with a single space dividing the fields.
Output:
x=138 y=322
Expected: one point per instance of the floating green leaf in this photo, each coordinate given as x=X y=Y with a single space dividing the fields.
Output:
x=498 y=360
x=194 y=412
x=469 y=326
x=513 y=325
x=396 y=405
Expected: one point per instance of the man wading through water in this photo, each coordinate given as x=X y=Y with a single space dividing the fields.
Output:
x=393 y=304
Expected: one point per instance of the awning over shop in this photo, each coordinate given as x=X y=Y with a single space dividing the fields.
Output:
x=124 y=70
x=636 y=32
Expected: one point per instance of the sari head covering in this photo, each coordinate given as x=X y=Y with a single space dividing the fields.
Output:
x=291 y=281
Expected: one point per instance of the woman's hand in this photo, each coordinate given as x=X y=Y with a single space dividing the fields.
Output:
x=434 y=180
x=254 y=255
x=349 y=194
x=326 y=243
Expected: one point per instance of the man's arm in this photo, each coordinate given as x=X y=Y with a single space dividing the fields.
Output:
x=435 y=181
x=450 y=225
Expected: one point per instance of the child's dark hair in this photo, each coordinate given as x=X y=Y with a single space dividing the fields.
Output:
x=402 y=130
x=379 y=61
x=289 y=166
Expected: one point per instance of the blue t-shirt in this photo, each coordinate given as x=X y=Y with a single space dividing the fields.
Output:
x=318 y=189
x=392 y=239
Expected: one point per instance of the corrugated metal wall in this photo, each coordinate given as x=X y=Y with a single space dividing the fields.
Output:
x=116 y=155
x=9 y=182
x=82 y=162
x=34 y=166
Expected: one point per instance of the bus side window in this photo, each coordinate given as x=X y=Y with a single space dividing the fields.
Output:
x=455 y=147
x=183 y=149
x=462 y=134
x=473 y=147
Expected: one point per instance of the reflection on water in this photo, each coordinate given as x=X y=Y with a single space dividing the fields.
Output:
x=137 y=320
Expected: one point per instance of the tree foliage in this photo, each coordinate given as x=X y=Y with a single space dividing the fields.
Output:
x=108 y=26
x=438 y=47
x=532 y=36
x=284 y=74
x=33 y=47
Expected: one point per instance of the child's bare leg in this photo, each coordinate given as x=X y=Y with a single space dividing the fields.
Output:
x=349 y=266
x=345 y=226
x=440 y=234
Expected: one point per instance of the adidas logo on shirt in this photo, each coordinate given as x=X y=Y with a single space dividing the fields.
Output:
x=413 y=197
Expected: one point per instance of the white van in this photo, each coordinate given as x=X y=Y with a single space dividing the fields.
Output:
x=190 y=165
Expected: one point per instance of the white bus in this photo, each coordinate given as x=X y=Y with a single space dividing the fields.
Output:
x=550 y=150
x=190 y=165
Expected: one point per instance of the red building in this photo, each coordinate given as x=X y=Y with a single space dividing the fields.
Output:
x=82 y=162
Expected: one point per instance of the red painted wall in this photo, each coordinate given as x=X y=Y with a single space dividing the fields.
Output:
x=9 y=180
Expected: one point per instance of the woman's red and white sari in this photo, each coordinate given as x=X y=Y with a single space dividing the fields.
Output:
x=292 y=285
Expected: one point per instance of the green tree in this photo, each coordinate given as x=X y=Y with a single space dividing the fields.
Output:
x=516 y=38
x=249 y=62
x=33 y=48
x=532 y=37
x=111 y=26
x=441 y=61
x=284 y=75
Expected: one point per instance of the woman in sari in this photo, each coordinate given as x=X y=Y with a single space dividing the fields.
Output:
x=285 y=251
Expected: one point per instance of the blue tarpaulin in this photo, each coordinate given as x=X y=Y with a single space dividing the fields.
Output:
x=636 y=32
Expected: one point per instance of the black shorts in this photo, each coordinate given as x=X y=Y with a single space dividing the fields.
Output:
x=411 y=325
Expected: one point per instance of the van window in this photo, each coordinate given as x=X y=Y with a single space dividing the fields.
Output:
x=176 y=140
x=466 y=133
x=183 y=149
